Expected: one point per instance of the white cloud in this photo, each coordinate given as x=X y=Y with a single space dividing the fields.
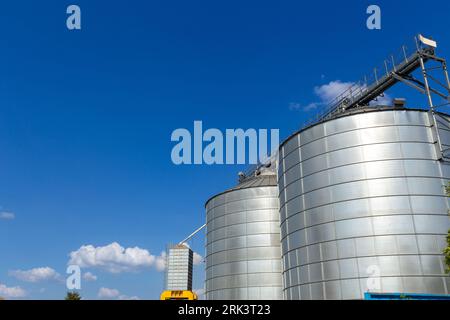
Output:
x=88 y=276
x=160 y=262
x=330 y=91
x=312 y=106
x=12 y=292
x=116 y=259
x=124 y=297
x=4 y=215
x=383 y=100
x=298 y=106
x=198 y=259
x=108 y=293
x=200 y=293
x=36 y=274
x=113 y=258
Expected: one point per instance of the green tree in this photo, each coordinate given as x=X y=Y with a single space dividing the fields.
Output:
x=447 y=253
x=72 y=296
x=447 y=249
x=447 y=189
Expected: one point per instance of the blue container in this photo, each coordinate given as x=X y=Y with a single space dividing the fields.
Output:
x=405 y=296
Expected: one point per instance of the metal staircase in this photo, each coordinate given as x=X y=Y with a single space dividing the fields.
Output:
x=393 y=71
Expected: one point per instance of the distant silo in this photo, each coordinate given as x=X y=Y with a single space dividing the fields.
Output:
x=362 y=195
x=179 y=268
x=243 y=255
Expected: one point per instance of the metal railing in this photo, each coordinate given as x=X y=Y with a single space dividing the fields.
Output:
x=371 y=87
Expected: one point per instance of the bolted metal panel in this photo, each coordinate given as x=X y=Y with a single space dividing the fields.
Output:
x=363 y=206
x=243 y=255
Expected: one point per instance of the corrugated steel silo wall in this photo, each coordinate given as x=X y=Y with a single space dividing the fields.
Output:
x=363 y=194
x=243 y=254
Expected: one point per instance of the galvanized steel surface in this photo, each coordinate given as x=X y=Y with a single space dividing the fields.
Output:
x=179 y=268
x=363 y=207
x=243 y=255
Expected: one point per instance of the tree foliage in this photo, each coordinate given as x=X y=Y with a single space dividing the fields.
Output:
x=72 y=296
x=447 y=253
x=447 y=249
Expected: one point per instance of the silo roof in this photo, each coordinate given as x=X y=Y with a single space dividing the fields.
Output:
x=353 y=112
x=265 y=179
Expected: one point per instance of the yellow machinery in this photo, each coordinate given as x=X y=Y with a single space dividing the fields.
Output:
x=178 y=295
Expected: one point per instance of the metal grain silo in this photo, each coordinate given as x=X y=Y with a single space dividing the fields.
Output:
x=363 y=205
x=243 y=254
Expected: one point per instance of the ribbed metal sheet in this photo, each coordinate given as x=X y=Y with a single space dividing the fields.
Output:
x=360 y=194
x=243 y=255
x=179 y=268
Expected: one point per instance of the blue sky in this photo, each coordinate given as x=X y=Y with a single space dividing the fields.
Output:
x=86 y=116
